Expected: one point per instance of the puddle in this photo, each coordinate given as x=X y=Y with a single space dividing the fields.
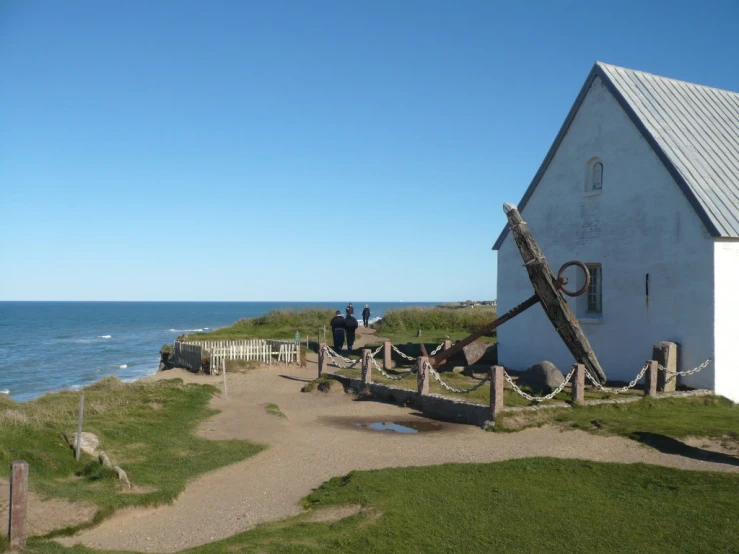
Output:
x=401 y=426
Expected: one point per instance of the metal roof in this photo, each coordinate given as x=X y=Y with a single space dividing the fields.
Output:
x=693 y=129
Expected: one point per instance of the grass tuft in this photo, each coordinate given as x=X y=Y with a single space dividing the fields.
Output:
x=274 y=409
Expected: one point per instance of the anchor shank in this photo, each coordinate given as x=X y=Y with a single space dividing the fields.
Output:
x=510 y=314
x=548 y=291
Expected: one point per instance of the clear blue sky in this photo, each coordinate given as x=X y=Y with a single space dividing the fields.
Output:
x=286 y=150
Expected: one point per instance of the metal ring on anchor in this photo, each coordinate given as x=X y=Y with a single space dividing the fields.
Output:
x=563 y=280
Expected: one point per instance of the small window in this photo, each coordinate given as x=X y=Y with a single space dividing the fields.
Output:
x=595 y=289
x=597 y=176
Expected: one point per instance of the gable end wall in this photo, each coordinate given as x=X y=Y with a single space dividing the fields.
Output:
x=640 y=223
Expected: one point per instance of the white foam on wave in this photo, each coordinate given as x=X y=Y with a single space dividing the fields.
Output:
x=187 y=330
x=123 y=366
x=5 y=391
x=105 y=336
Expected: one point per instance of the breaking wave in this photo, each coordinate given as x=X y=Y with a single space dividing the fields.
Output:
x=105 y=336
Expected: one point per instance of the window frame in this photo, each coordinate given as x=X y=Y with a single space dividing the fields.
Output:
x=596 y=170
x=594 y=293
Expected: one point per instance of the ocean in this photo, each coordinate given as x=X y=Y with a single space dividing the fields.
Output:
x=51 y=346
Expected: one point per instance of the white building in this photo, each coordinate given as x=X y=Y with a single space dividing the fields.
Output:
x=641 y=184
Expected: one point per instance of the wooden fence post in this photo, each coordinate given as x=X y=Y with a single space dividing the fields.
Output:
x=321 y=358
x=447 y=344
x=423 y=375
x=652 y=377
x=225 y=383
x=497 y=384
x=18 y=504
x=366 y=366
x=578 y=384
x=79 y=427
x=387 y=355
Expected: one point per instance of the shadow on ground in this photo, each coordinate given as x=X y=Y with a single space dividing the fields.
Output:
x=668 y=445
x=301 y=379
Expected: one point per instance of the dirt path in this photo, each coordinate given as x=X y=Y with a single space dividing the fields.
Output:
x=318 y=440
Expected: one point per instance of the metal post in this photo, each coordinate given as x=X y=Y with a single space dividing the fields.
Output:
x=18 y=504
x=366 y=366
x=321 y=358
x=225 y=383
x=652 y=377
x=79 y=427
x=497 y=384
x=423 y=376
x=578 y=384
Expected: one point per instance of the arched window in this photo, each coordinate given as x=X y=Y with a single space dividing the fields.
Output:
x=596 y=180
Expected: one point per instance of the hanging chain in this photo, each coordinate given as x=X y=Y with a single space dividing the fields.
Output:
x=452 y=389
x=673 y=374
x=621 y=390
x=549 y=396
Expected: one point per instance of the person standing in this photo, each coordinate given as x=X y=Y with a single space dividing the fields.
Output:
x=351 y=324
x=366 y=315
x=350 y=309
x=338 y=328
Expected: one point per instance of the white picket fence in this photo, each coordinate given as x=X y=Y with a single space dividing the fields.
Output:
x=262 y=350
x=188 y=355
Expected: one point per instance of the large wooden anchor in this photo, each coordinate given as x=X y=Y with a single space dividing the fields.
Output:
x=548 y=293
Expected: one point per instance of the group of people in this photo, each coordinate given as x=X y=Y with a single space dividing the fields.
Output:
x=346 y=326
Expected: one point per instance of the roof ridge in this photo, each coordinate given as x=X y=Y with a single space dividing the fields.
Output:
x=605 y=66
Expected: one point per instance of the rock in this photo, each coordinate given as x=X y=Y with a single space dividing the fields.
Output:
x=105 y=460
x=541 y=378
x=474 y=351
x=89 y=443
x=122 y=477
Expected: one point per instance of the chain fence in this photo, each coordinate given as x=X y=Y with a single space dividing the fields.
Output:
x=674 y=374
x=349 y=361
x=403 y=375
x=531 y=398
x=411 y=358
x=452 y=389
x=621 y=390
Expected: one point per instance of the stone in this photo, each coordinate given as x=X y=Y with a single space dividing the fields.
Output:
x=474 y=351
x=541 y=378
x=665 y=354
x=89 y=443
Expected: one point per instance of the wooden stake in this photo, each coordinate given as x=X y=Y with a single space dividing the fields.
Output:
x=18 y=504
x=79 y=427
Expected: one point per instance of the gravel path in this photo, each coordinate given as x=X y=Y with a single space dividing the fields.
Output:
x=318 y=440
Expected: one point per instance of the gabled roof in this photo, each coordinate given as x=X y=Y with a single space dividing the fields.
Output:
x=693 y=129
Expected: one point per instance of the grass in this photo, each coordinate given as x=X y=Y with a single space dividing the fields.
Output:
x=519 y=506
x=276 y=324
x=704 y=416
x=145 y=427
x=274 y=409
x=436 y=324
x=400 y=325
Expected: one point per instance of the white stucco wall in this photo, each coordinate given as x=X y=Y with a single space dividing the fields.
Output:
x=640 y=223
x=726 y=325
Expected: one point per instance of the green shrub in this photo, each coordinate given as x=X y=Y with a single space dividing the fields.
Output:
x=432 y=319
